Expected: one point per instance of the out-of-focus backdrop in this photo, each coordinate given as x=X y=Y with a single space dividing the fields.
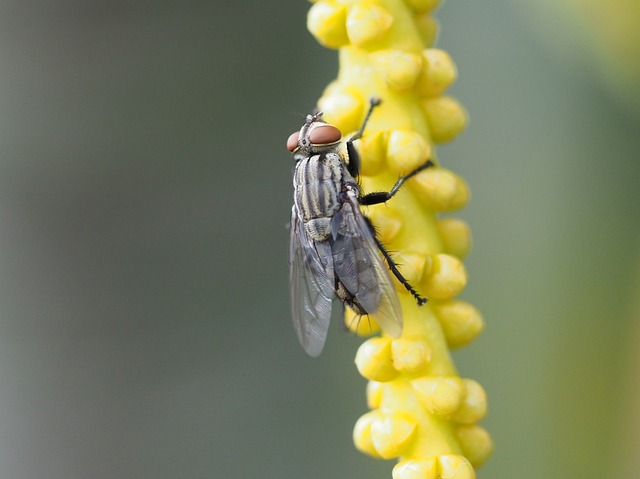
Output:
x=144 y=193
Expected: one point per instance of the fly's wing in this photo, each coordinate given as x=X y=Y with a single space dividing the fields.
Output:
x=360 y=267
x=311 y=287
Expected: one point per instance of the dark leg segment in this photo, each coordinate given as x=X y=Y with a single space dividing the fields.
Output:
x=354 y=158
x=382 y=196
x=396 y=272
x=393 y=266
x=353 y=167
x=373 y=102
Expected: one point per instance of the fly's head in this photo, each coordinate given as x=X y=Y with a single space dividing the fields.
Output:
x=315 y=136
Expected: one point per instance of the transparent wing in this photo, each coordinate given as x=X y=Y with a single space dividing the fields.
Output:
x=360 y=267
x=311 y=287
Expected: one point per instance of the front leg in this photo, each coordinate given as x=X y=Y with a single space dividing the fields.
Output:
x=382 y=196
x=354 y=158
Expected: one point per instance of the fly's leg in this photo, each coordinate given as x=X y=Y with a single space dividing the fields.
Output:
x=394 y=267
x=382 y=196
x=396 y=272
x=354 y=158
x=373 y=103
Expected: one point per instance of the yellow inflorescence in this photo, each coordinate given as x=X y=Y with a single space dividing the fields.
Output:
x=423 y=413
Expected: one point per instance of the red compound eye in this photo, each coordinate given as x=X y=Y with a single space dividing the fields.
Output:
x=324 y=135
x=292 y=142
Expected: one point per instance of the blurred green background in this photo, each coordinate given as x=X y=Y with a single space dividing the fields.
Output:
x=144 y=192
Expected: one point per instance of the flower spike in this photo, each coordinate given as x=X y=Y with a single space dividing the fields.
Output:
x=422 y=412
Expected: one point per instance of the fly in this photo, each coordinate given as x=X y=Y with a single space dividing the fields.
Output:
x=333 y=250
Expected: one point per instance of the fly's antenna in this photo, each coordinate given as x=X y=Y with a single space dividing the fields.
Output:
x=373 y=103
x=316 y=116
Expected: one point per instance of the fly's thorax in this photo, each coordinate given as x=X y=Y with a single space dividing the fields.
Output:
x=318 y=182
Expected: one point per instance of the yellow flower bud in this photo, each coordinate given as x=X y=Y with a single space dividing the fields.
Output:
x=362 y=434
x=388 y=224
x=397 y=68
x=445 y=278
x=438 y=72
x=406 y=150
x=474 y=405
x=373 y=360
x=412 y=265
x=427 y=27
x=342 y=107
x=416 y=469
x=367 y=22
x=326 y=21
x=456 y=236
x=446 y=118
x=455 y=467
x=476 y=443
x=461 y=322
x=442 y=395
x=372 y=150
x=440 y=189
x=392 y=434
x=410 y=355
x=374 y=394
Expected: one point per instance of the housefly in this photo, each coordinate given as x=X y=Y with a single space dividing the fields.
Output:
x=333 y=251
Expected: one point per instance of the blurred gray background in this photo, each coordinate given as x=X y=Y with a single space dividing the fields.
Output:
x=144 y=192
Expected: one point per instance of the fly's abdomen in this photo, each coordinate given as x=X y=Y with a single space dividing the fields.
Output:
x=317 y=182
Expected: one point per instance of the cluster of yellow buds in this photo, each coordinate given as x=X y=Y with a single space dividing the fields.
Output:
x=423 y=413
